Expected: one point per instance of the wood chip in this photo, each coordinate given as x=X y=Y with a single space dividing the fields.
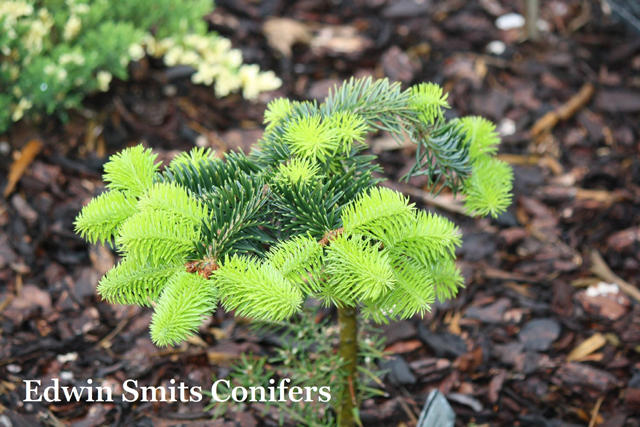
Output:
x=18 y=167
x=587 y=347
x=283 y=33
x=404 y=347
x=197 y=341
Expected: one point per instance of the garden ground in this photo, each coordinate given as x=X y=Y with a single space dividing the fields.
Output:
x=547 y=331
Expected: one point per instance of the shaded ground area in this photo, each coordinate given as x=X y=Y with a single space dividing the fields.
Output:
x=547 y=332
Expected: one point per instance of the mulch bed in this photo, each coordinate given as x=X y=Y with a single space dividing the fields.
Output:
x=547 y=331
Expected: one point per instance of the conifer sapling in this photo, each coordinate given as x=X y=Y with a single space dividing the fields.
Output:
x=300 y=216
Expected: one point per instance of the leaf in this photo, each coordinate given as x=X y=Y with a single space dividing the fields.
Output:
x=19 y=166
x=283 y=33
x=586 y=347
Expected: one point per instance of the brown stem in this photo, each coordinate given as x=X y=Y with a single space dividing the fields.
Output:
x=532 y=10
x=348 y=322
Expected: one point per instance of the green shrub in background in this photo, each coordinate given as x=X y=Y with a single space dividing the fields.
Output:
x=55 y=52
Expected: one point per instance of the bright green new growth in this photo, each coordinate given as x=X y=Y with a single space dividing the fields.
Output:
x=108 y=211
x=186 y=300
x=171 y=200
x=131 y=170
x=257 y=289
x=413 y=244
x=350 y=128
x=488 y=190
x=482 y=137
x=428 y=100
x=312 y=138
x=156 y=236
x=301 y=216
x=377 y=207
x=357 y=271
x=154 y=225
x=298 y=260
x=297 y=170
x=133 y=282
x=276 y=111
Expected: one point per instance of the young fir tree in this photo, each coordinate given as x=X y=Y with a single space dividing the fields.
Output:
x=301 y=216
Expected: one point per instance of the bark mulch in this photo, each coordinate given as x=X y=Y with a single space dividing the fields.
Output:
x=547 y=331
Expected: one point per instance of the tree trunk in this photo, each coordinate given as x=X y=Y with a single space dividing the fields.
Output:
x=348 y=323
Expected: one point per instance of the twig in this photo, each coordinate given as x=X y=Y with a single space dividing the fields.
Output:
x=436 y=201
x=582 y=19
x=547 y=122
x=348 y=323
x=6 y=302
x=600 y=268
x=104 y=342
x=594 y=413
x=189 y=416
x=532 y=11
x=407 y=410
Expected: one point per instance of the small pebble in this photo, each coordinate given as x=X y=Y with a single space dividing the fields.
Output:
x=496 y=47
x=506 y=127
x=510 y=21
x=69 y=357
x=170 y=90
x=66 y=375
x=602 y=288
x=14 y=369
x=543 y=26
x=5 y=148
x=202 y=141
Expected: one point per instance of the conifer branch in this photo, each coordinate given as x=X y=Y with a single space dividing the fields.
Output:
x=298 y=260
x=186 y=300
x=157 y=237
x=256 y=289
x=173 y=200
x=238 y=211
x=357 y=270
x=133 y=282
x=99 y=220
x=488 y=190
x=132 y=170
